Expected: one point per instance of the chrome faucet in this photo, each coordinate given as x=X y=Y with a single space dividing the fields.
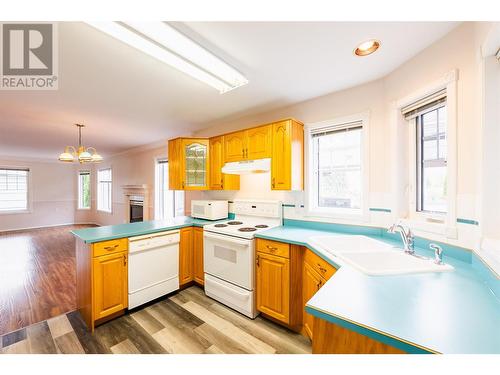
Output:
x=406 y=236
x=438 y=253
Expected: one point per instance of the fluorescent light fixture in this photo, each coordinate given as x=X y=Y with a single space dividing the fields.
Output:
x=163 y=42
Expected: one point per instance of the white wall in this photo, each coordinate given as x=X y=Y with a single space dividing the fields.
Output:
x=457 y=50
x=53 y=195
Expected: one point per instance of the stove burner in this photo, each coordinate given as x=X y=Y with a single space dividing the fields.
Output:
x=220 y=225
x=234 y=223
x=261 y=226
x=247 y=229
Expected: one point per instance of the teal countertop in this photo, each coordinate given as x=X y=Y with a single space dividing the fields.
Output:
x=448 y=312
x=111 y=232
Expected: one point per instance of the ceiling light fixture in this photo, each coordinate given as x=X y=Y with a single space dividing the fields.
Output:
x=367 y=48
x=82 y=154
x=163 y=42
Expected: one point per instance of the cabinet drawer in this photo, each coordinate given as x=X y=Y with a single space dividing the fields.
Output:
x=322 y=267
x=109 y=247
x=274 y=248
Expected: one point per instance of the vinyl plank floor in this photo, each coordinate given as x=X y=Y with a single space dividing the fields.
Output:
x=37 y=274
x=186 y=322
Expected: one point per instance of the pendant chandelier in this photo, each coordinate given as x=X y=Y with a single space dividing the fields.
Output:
x=82 y=154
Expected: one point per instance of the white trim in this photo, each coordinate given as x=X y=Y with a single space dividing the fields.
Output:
x=363 y=215
x=399 y=126
x=110 y=211
x=78 y=208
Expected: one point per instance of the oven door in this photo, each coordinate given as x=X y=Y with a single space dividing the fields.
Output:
x=229 y=258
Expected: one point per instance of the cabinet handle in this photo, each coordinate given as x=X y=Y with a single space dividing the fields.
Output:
x=321 y=268
x=111 y=247
x=243 y=152
x=319 y=284
x=257 y=261
x=183 y=184
x=274 y=182
x=124 y=260
x=246 y=150
x=222 y=183
x=273 y=249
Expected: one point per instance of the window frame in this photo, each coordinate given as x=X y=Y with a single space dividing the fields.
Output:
x=29 y=193
x=312 y=209
x=157 y=193
x=419 y=166
x=78 y=201
x=403 y=156
x=110 y=191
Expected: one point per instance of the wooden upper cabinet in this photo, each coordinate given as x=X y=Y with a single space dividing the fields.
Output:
x=110 y=286
x=198 y=272
x=186 y=256
x=217 y=179
x=287 y=167
x=259 y=143
x=273 y=286
x=188 y=163
x=234 y=146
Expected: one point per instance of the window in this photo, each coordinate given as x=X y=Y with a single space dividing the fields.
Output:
x=13 y=189
x=337 y=176
x=84 y=190
x=431 y=161
x=104 y=189
x=168 y=203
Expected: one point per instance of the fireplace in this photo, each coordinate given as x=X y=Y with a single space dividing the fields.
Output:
x=136 y=204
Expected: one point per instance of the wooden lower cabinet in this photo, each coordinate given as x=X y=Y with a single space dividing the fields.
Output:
x=199 y=275
x=331 y=338
x=110 y=284
x=186 y=256
x=273 y=286
x=311 y=283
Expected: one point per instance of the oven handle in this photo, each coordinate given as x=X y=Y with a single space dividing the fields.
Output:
x=224 y=238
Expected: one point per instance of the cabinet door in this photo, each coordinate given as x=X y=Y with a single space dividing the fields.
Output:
x=110 y=284
x=174 y=164
x=281 y=158
x=186 y=261
x=216 y=163
x=195 y=153
x=259 y=143
x=234 y=146
x=311 y=283
x=273 y=286
x=199 y=275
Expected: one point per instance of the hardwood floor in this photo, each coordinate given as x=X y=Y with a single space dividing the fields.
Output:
x=186 y=322
x=37 y=276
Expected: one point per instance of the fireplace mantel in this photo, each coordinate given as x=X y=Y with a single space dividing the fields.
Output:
x=134 y=190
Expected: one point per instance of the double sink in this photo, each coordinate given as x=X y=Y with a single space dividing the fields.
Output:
x=374 y=257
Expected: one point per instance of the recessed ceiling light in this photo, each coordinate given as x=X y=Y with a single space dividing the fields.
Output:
x=162 y=41
x=367 y=48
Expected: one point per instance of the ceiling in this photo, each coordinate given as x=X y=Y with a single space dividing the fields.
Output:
x=129 y=99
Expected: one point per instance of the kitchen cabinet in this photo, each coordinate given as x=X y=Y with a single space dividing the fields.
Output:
x=287 y=164
x=188 y=163
x=186 y=256
x=101 y=280
x=273 y=286
x=315 y=273
x=217 y=179
x=110 y=284
x=250 y=144
x=311 y=283
x=198 y=273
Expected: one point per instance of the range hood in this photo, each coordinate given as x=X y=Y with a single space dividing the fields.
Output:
x=247 y=166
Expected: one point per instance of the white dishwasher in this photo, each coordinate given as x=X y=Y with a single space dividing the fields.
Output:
x=153 y=268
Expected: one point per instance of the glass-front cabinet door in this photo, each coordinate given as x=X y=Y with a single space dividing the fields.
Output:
x=195 y=164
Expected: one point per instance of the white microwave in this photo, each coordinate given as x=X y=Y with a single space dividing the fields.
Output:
x=209 y=209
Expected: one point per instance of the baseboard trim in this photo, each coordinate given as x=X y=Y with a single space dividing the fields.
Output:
x=47 y=226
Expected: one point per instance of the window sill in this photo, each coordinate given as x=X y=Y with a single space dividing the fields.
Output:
x=83 y=209
x=104 y=211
